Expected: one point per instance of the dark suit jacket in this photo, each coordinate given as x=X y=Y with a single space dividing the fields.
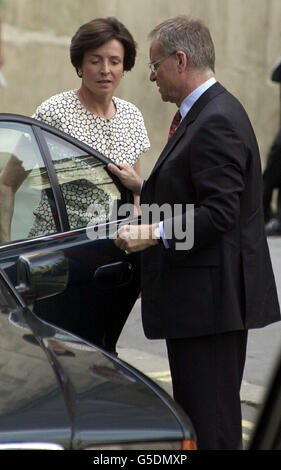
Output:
x=225 y=281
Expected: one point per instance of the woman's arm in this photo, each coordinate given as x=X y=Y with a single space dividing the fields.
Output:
x=136 y=196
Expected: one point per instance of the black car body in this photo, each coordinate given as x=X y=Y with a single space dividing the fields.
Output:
x=59 y=392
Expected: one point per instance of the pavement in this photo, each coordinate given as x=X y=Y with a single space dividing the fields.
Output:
x=264 y=346
x=156 y=367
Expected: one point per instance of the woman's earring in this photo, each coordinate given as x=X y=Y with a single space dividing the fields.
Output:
x=79 y=73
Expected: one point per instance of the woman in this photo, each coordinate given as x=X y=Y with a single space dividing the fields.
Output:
x=101 y=51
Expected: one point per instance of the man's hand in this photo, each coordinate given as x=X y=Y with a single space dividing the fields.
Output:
x=133 y=238
x=127 y=175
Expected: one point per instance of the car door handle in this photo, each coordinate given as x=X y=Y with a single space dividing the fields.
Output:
x=116 y=273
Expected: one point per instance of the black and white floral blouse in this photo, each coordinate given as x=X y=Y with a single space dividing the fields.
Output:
x=123 y=139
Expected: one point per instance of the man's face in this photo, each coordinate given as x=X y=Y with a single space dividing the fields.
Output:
x=165 y=74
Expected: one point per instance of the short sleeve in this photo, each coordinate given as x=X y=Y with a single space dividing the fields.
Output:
x=36 y=115
x=142 y=143
x=132 y=123
x=41 y=114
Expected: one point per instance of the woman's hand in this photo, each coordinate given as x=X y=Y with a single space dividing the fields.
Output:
x=127 y=175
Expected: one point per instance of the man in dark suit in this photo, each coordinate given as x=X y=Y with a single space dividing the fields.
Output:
x=202 y=295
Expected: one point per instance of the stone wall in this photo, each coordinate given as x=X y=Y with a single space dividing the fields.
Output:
x=246 y=33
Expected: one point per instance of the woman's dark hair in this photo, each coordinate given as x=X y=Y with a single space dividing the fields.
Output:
x=97 y=32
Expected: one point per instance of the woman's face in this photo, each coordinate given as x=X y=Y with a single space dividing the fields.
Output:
x=102 y=68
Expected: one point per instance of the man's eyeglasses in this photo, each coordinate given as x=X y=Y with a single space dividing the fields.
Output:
x=154 y=65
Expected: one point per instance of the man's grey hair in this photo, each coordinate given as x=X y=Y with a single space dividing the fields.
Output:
x=189 y=35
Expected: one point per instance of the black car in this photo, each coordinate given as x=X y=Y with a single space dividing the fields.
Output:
x=60 y=392
x=65 y=293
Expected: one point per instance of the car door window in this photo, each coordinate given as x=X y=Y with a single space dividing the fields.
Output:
x=88 y=189
x=26 y=199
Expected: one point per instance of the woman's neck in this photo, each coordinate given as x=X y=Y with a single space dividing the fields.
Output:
x=102 y=106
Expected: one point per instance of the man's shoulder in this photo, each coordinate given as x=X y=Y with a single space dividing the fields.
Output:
x=224 y=94
x=221 y=102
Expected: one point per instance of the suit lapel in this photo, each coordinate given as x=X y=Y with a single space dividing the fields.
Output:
x=196 y=109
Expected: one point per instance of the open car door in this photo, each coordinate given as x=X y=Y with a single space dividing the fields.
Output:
x=65 y=199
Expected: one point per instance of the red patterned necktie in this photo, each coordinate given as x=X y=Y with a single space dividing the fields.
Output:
x=175 y=123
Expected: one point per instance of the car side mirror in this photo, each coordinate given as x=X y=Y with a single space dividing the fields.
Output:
x=41 y=275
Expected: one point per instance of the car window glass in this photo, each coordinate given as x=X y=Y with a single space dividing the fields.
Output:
x=88 y=189
x=24 y=186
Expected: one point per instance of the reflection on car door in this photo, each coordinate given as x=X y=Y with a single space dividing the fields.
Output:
x=23 y=177
x=76 y=210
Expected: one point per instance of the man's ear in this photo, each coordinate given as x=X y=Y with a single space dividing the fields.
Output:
x=182 y=61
